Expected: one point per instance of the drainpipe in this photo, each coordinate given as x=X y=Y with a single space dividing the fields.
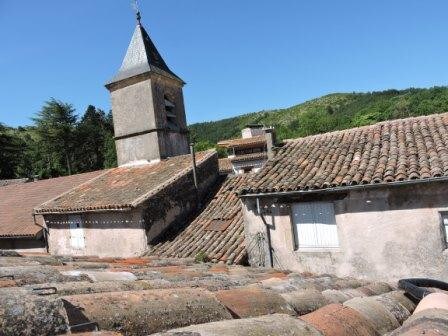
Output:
x=195 y=175
x=268 y=234
x=193 y=161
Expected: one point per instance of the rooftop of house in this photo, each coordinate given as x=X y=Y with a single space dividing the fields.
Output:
x=254 y=141
x=17 y=202
x=217 y=233
x=145 y=296
x=392 y=151
x=125 y=187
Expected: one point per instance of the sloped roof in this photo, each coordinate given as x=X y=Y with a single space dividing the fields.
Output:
x=243 y=142
x=391 y=151
x=141 y=57
x=124 y=187
x=218 y=231
x=18 y=200
x=250 y=157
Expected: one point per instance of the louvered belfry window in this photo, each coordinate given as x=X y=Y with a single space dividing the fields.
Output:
x=314 y=225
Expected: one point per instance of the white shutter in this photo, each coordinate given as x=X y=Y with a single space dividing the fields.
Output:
x=76 y=232
x=445 y=225
x=315 y=225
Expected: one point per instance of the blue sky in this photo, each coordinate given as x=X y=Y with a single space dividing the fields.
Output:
x=237 y=56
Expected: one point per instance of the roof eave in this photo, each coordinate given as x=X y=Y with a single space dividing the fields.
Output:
x=344 y=188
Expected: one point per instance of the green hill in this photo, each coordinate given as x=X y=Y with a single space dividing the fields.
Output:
x=328 y=113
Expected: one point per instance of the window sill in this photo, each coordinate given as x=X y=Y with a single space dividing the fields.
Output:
x=317 y=249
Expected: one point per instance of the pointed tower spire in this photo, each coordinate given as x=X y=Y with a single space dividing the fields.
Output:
x=142 y=56
x=147 y=104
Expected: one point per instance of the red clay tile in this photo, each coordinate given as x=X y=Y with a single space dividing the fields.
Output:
x=253 y=301
x=337 y=320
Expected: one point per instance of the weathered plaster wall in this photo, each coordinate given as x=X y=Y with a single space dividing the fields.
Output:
x=114 y=234
x=138 y=106
x=176 y=203
x=383 y=234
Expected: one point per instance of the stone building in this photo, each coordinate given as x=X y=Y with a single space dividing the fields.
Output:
x=147 y=105
x=368 y=202
x=250 y=152
x=118 y=212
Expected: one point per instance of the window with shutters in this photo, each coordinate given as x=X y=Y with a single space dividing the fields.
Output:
x=444 y=216
x=77 y=239
x=314 y=225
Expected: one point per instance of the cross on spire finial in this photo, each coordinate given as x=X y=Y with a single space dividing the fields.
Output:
x=137 y=11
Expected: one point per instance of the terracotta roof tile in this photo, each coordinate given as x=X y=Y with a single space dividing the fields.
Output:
x=123 y=187
x=392 y=151
x=249 y=157
x=218 y=231
x=18 y=200
x=243 y=142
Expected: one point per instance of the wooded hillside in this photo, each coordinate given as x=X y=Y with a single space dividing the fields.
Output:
x=328 y=113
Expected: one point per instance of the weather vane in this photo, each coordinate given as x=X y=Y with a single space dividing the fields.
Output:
x=137 y=10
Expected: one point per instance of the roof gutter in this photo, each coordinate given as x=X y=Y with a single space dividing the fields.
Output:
x=347 y=188
x=77 y=211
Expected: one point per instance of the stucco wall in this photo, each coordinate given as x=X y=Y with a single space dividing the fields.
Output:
x=113 y=234
x=386 y=233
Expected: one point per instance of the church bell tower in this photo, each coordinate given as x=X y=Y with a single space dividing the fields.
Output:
x=147 y=105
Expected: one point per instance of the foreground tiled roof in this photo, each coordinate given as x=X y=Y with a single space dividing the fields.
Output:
x=244 y=142
x=18 y=200
x=398 y=150
x=218 y=231
x=124 y=187
x=143 y=296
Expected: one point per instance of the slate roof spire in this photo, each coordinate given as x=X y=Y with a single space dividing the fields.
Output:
x=142 y=57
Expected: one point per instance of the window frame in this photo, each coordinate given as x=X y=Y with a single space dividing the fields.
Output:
x=295 y=232
x=443 y=215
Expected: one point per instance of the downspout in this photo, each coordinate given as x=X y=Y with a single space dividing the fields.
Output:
x=45 y=232
x=195 y=175
x=268 y=234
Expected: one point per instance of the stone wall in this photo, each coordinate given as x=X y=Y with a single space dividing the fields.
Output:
x=384 y=233
x=176 y=203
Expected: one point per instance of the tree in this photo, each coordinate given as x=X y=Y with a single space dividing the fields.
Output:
x=55 y=127
x=10 y=153
x=91 y=133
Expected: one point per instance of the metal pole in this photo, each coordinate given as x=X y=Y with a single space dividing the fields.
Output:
x=193 y=159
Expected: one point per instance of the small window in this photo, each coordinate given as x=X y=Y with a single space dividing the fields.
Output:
x=170 y=111
x=314 y=225
x=444 y=216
